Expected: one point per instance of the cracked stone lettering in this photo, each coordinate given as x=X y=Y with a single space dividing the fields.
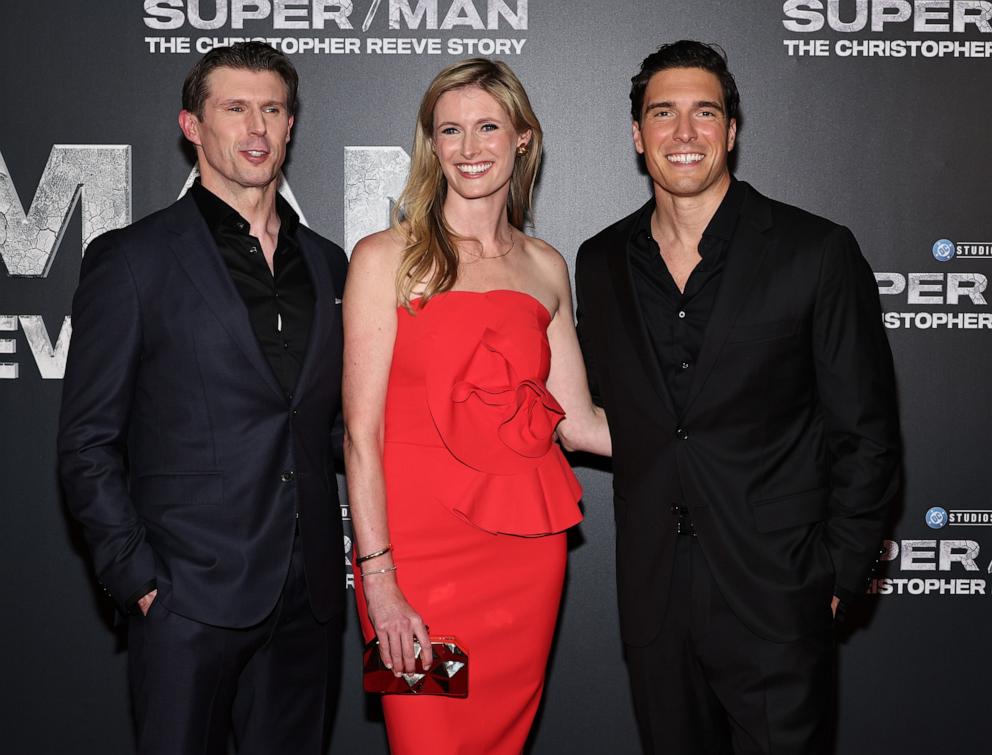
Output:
x=96 y=176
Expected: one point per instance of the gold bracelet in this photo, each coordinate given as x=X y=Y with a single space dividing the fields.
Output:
x=363 y=574
x=370 y=556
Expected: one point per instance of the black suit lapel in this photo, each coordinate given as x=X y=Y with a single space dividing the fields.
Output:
x=197 y=253
x=745 y=256
x=325 y=313
x=630 y=310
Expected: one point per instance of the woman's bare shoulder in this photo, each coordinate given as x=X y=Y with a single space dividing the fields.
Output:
x=381 y=249
x=548 y=262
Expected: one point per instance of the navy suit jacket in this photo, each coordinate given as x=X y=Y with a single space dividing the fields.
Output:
x=179 y=453
x=787 y=449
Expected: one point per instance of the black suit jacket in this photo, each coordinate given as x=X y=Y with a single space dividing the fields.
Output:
x=787 y=449
x=179 y=453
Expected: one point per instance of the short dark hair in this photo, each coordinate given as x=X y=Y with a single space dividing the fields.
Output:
x=686 y=53
x=250 y=56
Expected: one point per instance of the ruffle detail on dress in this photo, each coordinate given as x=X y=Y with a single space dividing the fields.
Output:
x=540 y=502
x=490 y=395
x=486 y=393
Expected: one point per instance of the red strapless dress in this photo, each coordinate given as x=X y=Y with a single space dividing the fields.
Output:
x=478 y=498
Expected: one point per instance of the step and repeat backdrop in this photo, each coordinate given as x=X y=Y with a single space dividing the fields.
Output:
x=874 y=113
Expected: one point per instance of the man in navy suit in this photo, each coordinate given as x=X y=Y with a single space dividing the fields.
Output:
x=737 y=346
x=200 y=392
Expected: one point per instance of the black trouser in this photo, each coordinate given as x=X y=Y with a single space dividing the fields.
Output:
x=707 y=685
x=274 y=685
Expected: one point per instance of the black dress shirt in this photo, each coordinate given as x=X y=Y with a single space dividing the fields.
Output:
x=676 y=320
x=280 y=303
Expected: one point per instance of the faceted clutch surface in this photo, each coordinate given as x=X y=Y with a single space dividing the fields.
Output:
x=448 y=674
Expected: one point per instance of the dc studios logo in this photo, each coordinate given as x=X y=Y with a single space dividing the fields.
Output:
x=936 y=518
x=944 y=250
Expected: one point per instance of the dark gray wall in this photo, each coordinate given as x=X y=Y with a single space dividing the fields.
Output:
x=894 y=147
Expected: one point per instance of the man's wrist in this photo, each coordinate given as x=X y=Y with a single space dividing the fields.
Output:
x=131 y=604
x=145 y=602
x=845 y=596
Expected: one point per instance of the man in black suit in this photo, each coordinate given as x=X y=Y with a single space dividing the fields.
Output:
x=736 y=344
x=201 y=388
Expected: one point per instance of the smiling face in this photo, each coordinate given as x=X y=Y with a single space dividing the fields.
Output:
x=475 y=142
x=684 y=133
x=241 y=138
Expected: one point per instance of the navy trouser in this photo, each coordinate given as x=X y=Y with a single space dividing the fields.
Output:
x=274 y=685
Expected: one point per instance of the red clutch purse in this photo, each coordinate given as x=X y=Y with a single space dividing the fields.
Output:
x=448 y=674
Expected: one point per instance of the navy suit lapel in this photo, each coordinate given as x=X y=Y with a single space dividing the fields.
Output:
x=745 y=256
x=630 y=310
x=325 y=312
x=196 y=251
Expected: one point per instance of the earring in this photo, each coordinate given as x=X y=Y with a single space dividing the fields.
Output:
x=521 y=150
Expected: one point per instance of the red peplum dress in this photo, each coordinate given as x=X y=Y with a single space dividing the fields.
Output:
x=478 y=498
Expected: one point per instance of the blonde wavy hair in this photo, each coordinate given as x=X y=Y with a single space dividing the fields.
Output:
x=430 y=256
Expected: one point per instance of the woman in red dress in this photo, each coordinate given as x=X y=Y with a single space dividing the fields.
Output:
x=460 y=361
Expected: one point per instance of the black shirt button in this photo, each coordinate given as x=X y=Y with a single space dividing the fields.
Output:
x=287 y=476
x=681 y=434
x=681 y=314
x=685 y=365
x=285 y=344
x=253 y=250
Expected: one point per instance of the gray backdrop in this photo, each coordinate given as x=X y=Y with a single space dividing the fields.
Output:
x=872 y=113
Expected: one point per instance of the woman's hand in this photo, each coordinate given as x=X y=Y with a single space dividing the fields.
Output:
x=584 y=427
x=369 y=333
x=396 y=625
